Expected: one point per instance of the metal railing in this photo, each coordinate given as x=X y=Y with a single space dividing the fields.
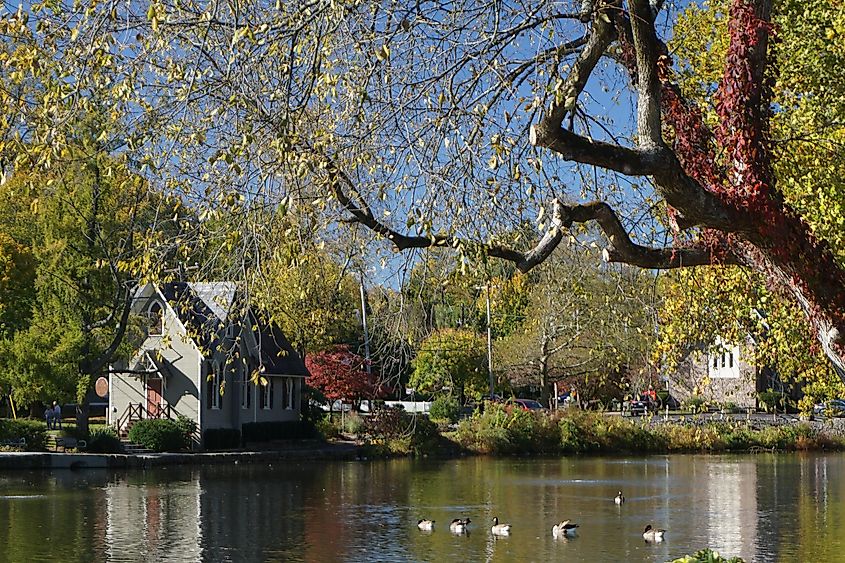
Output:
x=137 y=411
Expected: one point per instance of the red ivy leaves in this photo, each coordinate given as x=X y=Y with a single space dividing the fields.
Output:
x=742 y=105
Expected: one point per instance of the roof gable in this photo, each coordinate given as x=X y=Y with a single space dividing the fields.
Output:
x=207 y=309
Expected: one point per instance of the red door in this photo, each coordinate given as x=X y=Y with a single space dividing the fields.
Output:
x=154 y=397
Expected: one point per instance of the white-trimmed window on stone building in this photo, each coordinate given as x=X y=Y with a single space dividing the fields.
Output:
x=723 y=361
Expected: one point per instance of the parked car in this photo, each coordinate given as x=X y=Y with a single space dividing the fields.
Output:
x=639 y=407
x=526 y=404
x=834 y=408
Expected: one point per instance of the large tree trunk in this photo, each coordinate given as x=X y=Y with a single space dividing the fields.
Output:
x=82 y=411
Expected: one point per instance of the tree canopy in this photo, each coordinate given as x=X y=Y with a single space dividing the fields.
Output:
x=340 y=374
x=433 y=125
x=451 y=361
x=71 y=238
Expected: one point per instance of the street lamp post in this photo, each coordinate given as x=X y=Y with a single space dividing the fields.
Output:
x=486 y=288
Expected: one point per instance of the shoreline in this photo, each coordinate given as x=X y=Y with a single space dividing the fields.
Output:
x=48 y=461
x=77 y=461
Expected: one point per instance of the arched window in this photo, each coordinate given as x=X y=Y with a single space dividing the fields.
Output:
x=156 y=320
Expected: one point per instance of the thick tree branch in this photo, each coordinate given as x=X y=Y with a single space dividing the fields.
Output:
x=601 y=35
x=622 y=249
x=648 y=84
x=549 y=132
x=361 y=213
x=574 y=147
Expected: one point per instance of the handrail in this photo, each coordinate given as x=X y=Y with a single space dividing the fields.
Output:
x=137 y=411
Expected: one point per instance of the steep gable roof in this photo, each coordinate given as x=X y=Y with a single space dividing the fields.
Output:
x=276 y=354
x=205 y=309
x=199 y=319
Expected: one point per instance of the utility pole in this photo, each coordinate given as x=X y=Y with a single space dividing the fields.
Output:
x=489 y=343
x=364 y=323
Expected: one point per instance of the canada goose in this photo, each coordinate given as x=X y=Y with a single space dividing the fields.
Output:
x=620 y=498
x=564 y=528
x=500 y=529
x=459 y=526
x=650 y=534
x=427 y=525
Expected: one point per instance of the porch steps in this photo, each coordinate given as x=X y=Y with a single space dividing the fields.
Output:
x=132 y=448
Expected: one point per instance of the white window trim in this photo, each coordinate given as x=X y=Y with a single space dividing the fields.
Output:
x=290 y=387
x=267 y=390
x=723 y=362
x=160 y=324
x=216 y=380
x=245 y=390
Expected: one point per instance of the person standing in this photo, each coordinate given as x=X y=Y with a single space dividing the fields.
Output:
x=48 y=416
x=57 y=415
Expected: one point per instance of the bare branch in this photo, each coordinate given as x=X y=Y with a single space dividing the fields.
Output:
x=362 y=214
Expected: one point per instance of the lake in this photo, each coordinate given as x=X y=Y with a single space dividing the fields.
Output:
x=765 y=507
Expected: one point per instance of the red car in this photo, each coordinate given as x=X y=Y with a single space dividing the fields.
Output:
x=526 y=404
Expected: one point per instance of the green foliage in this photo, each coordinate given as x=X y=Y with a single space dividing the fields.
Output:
x=17 y=284
x=34 y=432
x=393 y=431
x=326 y=429
x=221 y=438
x=771 y=401
x=351 y=423
x=445 y=408
x=509 y=301
x=583 y=325
x=502 y=429
x=707 y=556
x=386 y=423
x=69 y=232
x=252 y=432
x=451 y=360
x=310 y=296
x=104 y=441
x=696 y=404
x=187 y=425
x=159 y=435
x=498 y=431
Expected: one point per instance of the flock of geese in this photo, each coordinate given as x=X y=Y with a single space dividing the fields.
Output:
x=563 y=529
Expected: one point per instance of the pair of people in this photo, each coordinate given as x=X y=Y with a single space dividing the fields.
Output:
x=53 y=416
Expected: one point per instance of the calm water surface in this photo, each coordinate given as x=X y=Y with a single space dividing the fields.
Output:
x=763 y=508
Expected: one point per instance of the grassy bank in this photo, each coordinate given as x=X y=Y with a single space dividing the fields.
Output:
x=501 y=430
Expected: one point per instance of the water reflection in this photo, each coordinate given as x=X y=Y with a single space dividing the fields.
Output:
x=764 y=508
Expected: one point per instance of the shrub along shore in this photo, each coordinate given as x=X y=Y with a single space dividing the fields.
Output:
x=503 y=430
